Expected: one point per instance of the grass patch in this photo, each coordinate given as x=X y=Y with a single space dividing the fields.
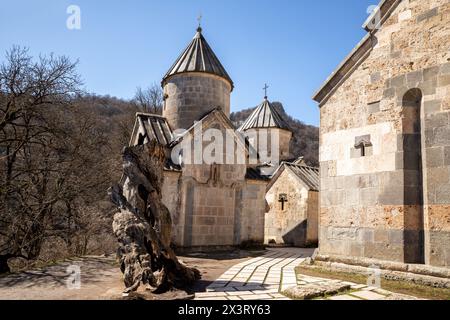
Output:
x=402 y=287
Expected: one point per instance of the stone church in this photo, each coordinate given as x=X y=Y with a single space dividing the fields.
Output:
x=293 y=200
x=385 y=140
x=212 y=203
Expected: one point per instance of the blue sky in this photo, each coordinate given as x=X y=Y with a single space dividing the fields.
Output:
x=293 y=45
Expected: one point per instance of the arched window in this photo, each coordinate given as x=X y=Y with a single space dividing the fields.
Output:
x=413 y=178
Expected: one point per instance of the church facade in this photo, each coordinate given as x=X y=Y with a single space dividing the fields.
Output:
x=218 y=202
x=385 y=140
x=293 y=201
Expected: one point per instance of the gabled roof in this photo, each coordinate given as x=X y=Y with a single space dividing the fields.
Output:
x=359 y=53
x=309 y=176
x=150 y=127
x=204 y=120
x=198 y=57
x=264 y=116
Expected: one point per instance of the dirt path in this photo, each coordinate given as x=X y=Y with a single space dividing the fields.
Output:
x=101 y=277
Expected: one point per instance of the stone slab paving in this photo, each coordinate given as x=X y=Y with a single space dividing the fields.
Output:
x=368 y=295
x=267 y=276
x=259 y=278
x=344 y=297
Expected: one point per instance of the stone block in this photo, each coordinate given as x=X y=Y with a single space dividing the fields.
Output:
x=414 y=78
x=396 y=236
x=427 y=15
x=381 y=235
x=389 y=93
x=392 y=178
x=324 y=169
x=351 y=182
x=384 y=251
x=436 y=119
x=430 y=73
x=373 y=107
x=399 y=81
x=356 y=250
x=368 y=295
x=438 y=175
x=339 y=182
x=399 y=164
x=447 y=156
x=443 y=80
x=332 y=168
x=445 y=68
x=355 y=153
x=428 y=87
x=443 y=194
x=435 y=157
x=439 y=250
x=391 y=195
x=429 y=137
x=351 y=197
x=441 y=136
x=209 y=221
x=432 y=106
x=368 y=235
x=405 y=15
x=343 y=233
x=375 y=77
x=368 y=196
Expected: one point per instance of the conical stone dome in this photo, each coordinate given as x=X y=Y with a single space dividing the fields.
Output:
x=196 y=84
x=198 y=57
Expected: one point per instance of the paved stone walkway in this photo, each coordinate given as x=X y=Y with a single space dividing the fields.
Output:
x=265 y=277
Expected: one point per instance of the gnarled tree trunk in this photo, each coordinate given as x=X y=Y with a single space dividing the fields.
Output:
x=143 y=225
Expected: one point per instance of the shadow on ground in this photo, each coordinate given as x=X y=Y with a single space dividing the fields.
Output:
x=93 y=270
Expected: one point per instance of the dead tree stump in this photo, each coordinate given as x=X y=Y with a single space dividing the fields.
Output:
x=143 y=224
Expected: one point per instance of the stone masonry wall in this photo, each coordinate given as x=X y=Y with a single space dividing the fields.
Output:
x=391 y=199
x=253 y=204
x=211 y=209
x=288 y=226
x=190 y=96
x=218 y=206
x=312 y=231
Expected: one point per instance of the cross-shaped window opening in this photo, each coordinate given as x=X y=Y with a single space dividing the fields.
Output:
x=282 y=199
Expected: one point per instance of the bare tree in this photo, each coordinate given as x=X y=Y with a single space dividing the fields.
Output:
x=150 y=99
x=59 y=152
x=31 y=179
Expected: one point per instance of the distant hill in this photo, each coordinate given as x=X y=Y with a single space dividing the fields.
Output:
x=305 y=140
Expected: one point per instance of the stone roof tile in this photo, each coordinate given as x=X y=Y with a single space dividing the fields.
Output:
x=198 y=57
x=264 y=116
